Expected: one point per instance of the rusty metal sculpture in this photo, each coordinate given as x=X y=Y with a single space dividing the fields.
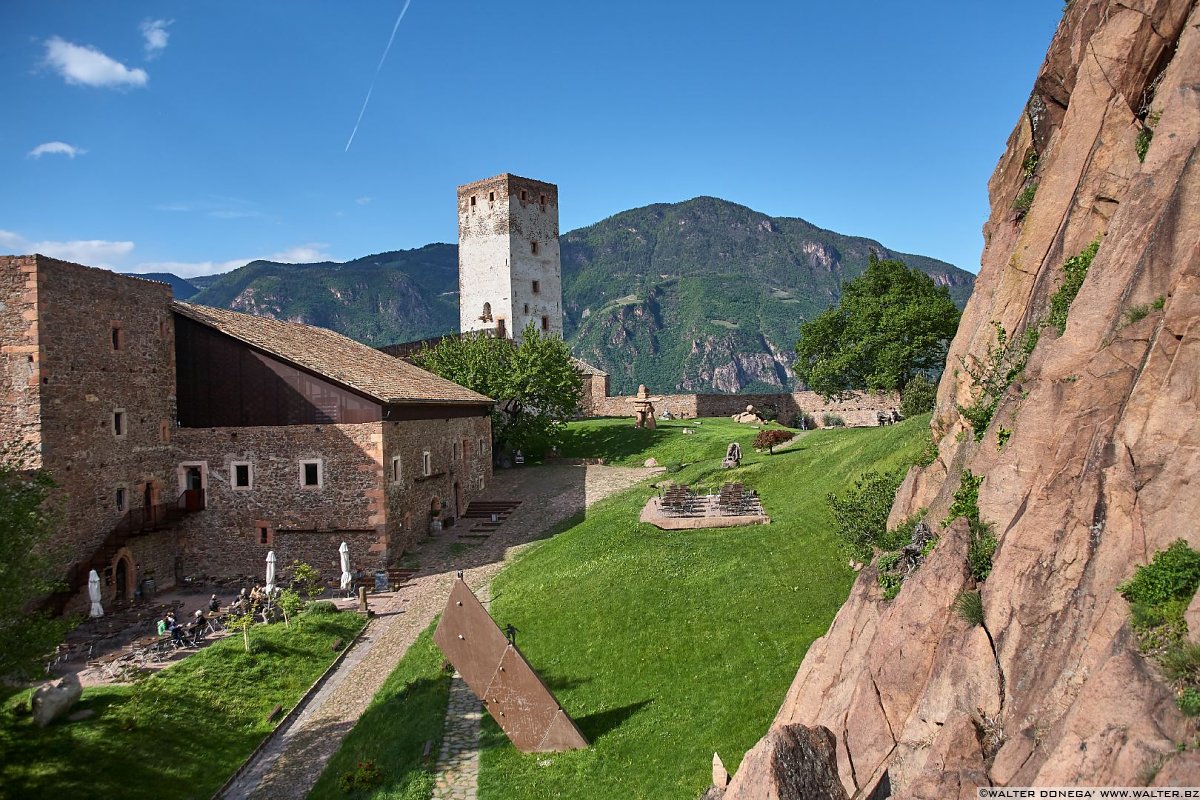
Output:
x=643 y=408
x=494 y=669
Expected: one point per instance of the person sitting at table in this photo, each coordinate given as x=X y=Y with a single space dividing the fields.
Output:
x=214 y=605
x=174 y=627
x=196 y=628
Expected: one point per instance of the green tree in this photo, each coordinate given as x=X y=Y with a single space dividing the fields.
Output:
x=27 y=519
x=920 y=395
x=891 y=323
x=535 y=384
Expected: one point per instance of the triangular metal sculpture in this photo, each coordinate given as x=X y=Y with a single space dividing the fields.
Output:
x=499 y=675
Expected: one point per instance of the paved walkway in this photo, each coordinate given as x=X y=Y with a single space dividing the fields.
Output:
x=290 y=765
x=457 y=768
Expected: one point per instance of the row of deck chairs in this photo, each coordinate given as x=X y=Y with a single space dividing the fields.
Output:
x=680 y=501
x=735 y=501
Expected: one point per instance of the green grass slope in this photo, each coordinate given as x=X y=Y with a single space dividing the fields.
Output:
x=668 y=646
x=181 y=732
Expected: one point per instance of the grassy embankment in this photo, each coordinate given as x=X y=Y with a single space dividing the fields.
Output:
x=178 y=733
x=664 y=646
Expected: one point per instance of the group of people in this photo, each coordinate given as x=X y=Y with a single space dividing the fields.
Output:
x=181 y=632
x=251 y=601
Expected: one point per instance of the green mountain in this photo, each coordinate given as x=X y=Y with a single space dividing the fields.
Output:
x=182 y=288
x=699 y=295
x=707 y=294
x=379 y=299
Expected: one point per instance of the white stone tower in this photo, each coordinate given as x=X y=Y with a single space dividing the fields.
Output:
x=509 y=273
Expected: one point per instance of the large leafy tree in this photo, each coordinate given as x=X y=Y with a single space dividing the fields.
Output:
x=891 y=324
x=26 y=522
x=535 y=383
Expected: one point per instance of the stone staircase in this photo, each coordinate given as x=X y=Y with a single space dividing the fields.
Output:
x=486 y=516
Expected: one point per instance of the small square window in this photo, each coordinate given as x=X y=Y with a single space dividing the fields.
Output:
x=472 y=201
x=311 y=476
x=121 y=499
x=426 y=463
x=118 y=423
x=533 y=248
x=397 y=469
x=242 y=475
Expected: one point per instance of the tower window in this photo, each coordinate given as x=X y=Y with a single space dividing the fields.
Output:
x=486 y=316
x=118 y=336
x=118 y=423
x=545 y=323
x=121 y=499
x=533 y=248
x=264 y=535
x=426 y=463
x=537 y=285
x=472 y=201
x=491 y=197
x=527 y=305
x=523 y=195
x=241 y=475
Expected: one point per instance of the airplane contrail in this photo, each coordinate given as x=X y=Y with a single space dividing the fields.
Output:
x=382 y=59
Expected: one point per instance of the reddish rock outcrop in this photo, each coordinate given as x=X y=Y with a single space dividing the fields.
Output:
x=1094 y=473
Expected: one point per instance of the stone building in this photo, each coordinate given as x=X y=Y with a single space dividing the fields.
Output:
x=509 y=273
x=192 y=440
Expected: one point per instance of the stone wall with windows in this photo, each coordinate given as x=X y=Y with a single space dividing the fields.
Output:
x=459 y=455
x=20 y=356
x=104 y=368
x=283 y=506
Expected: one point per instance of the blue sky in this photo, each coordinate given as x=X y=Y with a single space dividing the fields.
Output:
x=193 y=137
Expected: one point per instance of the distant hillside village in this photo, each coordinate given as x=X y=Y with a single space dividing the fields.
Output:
x=188 y=440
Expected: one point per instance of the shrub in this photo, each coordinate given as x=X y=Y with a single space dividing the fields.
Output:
x=969 y=606
x=919 y=396
x=770 y=438
x=1024 y=200
x=1173 y=574
x=928 y=454
x=767 y=413
x=366 y=776
x=981 y=550
x=832 y=421
x=889 y=579
x=1181 y=663
x=1074 y=271
x=1142 y=145
x=1158 y=303
x=323 y=607
x=1135 y=314
x=860 y=514
x=1002 y=437
x=1188 y=701
x=966 y=498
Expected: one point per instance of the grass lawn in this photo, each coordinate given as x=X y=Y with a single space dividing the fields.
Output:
x=408 y=710
x=666 y=646
x=179 y=733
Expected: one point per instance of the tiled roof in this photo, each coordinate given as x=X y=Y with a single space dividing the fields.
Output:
x=336 y=357
x=586 y=368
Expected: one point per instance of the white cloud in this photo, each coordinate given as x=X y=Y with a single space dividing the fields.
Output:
x=155 y=33
x=309 y=253
x=56 y=148
x=92 y=252
x=362 y=201
x=89 y=67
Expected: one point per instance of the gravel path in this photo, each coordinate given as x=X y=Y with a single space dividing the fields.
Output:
x=290 y=765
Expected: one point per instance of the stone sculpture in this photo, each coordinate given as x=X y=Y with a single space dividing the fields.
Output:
x=497 y=673
x=749 y=416
x=643 y=408
x=733 y=456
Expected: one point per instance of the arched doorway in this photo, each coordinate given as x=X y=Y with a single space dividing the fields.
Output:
x=124 y=578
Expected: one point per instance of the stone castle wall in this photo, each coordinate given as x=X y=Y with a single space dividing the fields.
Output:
x=86 y=377
x=861 y=409
x=20 y=356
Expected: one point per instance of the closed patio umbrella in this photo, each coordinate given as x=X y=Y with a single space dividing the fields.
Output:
x=270 y=572
x=94 y=595
x=347 y=578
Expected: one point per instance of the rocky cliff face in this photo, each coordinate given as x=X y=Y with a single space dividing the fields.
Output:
x=1089 y=461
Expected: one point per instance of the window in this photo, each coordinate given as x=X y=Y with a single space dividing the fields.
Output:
x=242 y=475
x=491 y=197
x=426 y=463
x=523 y=195
x=122 y=498
x=527 y=305
x=164 y=431
x=542 y=200
x=311 y=476
x=397 y=469
x=472 y=202
x=454 y=451
x=482 y=448
x=118 y=423
x=545 y=323
x=264 y=535
x=118 y=336
x=533 y=248
x=486 y=316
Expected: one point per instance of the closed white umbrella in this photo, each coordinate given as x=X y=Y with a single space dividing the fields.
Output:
x=270 y=572
x=94 y=594
x=347 y=578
